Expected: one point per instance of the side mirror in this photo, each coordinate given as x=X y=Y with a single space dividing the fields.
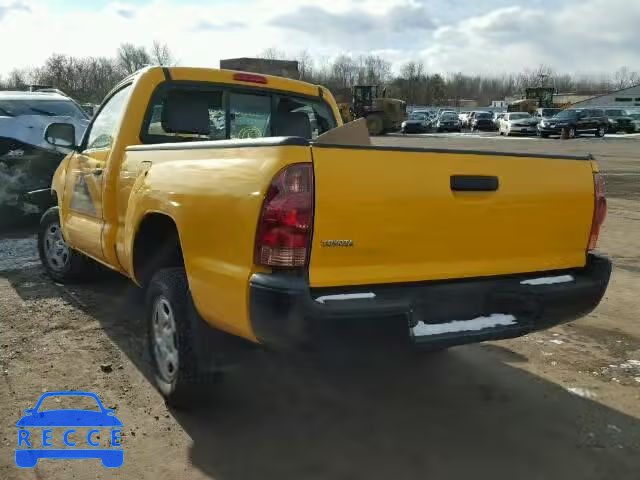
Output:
x=61 y=135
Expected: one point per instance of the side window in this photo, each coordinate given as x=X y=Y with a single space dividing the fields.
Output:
x=155 y=133
x=320 y=116
x=105 y=124
x=249 y=115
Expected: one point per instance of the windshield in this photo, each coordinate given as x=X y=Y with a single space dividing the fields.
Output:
x=519 y=116
x=566 y=114
x=417 y=116
x=449 y=116
x=616 y=113
x=483 y=115
x=549 y=112
x=35 y=106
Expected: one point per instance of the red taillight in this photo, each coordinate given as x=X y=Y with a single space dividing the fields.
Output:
x=283 y=237
x=250 y=77
x=599 y=210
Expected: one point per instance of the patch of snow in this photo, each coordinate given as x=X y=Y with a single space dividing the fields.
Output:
x=556 y=341
x=346 y=296
x=582 y=392
x=637 y=379
x=480 y=323
x=548 y=280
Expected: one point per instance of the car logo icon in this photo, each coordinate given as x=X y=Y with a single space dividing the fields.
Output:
x=32 y=448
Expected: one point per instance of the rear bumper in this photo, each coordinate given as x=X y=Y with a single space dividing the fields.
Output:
x=286 y=313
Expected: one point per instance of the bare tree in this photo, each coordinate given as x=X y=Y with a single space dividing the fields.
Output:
x=305 y=66
x=160 y=54
x=132 y=58
x=17 y=79
x=273 y=53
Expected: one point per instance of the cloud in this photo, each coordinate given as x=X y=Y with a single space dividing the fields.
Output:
x=205 y=25
x=483 y=36
x=15 y=7
x=576 y=37
x=357 y=25
x=125 y=12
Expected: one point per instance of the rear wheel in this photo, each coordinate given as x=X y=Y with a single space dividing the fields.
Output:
x=61 y=262
x=171 y=340
x=601 y=131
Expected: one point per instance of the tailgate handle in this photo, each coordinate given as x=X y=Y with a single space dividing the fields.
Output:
x=474 y=183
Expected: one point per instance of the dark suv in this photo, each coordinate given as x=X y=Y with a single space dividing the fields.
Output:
x=619 y=120
x=576 y=121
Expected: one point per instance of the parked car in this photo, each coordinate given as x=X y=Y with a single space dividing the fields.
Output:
x=619 y=121
x=416 y=123
x=482 y=121
x=497 y=116
x=448 y=122
x=576 y=121
x=635 y=119
x=27 y=161
x=285 y=240
x=518 y=123
x=464 y=119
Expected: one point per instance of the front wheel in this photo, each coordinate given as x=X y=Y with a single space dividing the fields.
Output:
x=375 y=124
x=573 y=133
x=601 y=131
x=61 y=262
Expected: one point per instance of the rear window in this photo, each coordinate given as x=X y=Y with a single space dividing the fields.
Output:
x=242 y=113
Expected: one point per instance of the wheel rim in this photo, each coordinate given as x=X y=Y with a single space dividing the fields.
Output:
x=165 y=339
x=601 y=131
x=56 y=250
x=572 y=133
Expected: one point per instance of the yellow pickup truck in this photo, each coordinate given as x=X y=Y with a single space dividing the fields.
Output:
x=219 y=193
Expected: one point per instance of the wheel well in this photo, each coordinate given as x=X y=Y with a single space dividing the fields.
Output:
x=156 y=246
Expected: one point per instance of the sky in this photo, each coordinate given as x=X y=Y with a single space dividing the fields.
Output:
x=470 y=36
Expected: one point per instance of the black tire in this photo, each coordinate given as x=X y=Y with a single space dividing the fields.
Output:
x=375 y=124
x=184 y=388
x=69 y=268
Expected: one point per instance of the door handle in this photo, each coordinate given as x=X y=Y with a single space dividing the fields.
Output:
x=97 y=172
x=474 y=183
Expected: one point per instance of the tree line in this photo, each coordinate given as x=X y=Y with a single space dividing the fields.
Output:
x=88 y=79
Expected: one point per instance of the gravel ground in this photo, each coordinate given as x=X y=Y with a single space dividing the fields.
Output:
x=563 y=403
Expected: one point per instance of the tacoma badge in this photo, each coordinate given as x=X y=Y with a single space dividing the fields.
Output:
x=336 y=243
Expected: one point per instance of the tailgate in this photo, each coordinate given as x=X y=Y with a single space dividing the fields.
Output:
x=385 y=215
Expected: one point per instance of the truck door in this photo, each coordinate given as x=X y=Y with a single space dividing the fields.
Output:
x=82 y=215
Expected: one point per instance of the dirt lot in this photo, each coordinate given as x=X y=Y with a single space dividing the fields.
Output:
x=561 y=404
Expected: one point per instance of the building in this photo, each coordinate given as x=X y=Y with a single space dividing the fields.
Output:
x=462 y=102
x=626 y=97
x=570 y=99
x=280 y=68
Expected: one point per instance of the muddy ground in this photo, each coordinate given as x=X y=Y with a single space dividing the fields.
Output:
x=561 y=404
